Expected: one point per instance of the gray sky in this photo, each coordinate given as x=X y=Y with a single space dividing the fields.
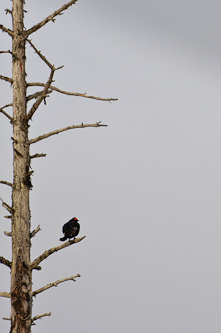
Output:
x=147 y=188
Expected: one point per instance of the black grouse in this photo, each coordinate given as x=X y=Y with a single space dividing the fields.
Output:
x=70 y=229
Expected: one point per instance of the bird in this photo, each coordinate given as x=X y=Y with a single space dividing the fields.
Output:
x=70 y=229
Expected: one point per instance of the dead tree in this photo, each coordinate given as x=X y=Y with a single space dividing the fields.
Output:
x=21 y=293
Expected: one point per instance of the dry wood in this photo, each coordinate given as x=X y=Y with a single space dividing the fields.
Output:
x=37 y=94
x=47 y=253
x=40 y=54
x=38 y=155
x=4 y=294
x=5 y=113
x=50 y=17
x=6 y=206
x=40 y=84
x=47 y=135
x=6 y=30
x=39 y=317
x=6 y=183
x=34 y=232
x=5 y=78
x=42 y=96
x=5 y=262
x=6 y=52
x=55 y=284
x=21 y=277
x=8 y=233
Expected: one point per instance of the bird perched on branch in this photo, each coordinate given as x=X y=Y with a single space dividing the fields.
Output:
x=70 y=229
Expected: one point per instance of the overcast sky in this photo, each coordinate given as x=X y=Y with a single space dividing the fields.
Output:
x=147 y=188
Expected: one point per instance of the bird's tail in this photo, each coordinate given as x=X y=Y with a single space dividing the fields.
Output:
x=63 y=239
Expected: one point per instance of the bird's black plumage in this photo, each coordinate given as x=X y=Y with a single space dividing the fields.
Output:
x=70 y=229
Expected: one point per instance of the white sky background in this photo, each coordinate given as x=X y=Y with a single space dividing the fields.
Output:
x=146 y=189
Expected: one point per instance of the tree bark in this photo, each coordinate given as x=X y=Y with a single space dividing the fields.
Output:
x=21 y=278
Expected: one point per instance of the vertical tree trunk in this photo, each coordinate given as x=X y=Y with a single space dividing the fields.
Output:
x=21 y=278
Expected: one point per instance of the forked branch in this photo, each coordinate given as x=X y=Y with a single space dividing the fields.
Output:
x=47 y=135
x=55 y=284
x=8 y=11
x=49 y=18
x=40 y=84
x=37 y=94
x=47 y=253
x=42 y=96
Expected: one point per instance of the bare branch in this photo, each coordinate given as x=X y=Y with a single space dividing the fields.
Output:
x=6 y=30
x=40 y=55
x=6 y=318
x=5 y=262
x=34 y=232
x=38 y=268
x=8 y=11
x=54 y=284
x=37 y=94
x=47 y=253
x=6 y=114
x=7 y=105
x=39 y=84
x=6 y=52
x=6 y=206
x=8 y=233
x=38 y=155
x=42 y=96
x=6 y=183
x=47 y=135
x=8 y=216
x=4 y=294
x=5 y=78
x=49 y=18
x=38 y=317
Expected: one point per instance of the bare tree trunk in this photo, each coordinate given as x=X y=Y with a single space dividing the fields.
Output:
x=21 y=278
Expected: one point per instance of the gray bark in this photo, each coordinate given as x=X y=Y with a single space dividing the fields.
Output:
x=21 y=278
